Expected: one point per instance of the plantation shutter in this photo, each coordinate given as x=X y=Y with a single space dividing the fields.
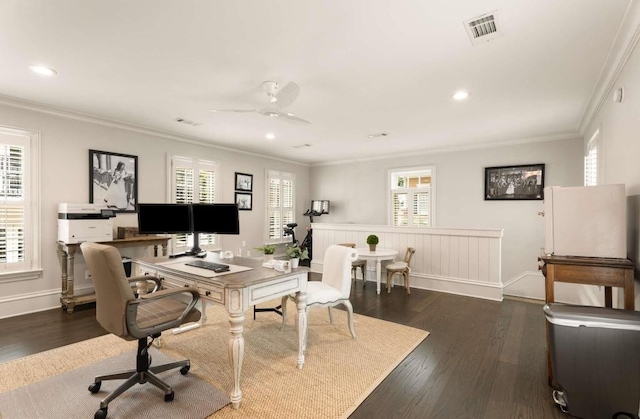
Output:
x=14 y=205
x=420 y=216
x=591 y=162
x=400 y=214
x=207 y=194
x=187 y=189
x=280 y=204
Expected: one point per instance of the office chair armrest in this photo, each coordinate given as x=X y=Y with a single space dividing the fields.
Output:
x=148 y=278
x=132 y=309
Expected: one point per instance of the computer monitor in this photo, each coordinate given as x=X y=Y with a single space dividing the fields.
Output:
x=164 y=218
x=215 y=218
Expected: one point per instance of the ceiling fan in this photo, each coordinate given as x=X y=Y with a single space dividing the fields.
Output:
x=279 y=98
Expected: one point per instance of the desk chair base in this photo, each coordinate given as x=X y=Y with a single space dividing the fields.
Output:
x=143 y=373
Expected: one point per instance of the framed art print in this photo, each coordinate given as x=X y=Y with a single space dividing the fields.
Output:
x=511 y=183
x=113 y=180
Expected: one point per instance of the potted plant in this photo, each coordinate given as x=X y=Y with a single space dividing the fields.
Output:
x=268 y=250
x=296 y=253
x=372 y=241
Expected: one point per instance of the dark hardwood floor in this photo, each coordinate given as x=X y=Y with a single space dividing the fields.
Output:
x=483 y=359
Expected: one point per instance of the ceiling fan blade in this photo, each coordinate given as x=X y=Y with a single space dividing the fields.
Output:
x=234 y=110
x=293 y=118
x=274 y=113
x=288 y=94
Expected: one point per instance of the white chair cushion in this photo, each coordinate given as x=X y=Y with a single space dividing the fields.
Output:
x=321 y=293
x=397 y=265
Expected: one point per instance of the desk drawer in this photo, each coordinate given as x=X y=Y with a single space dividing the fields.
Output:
x=274 y=289
x=211 y=292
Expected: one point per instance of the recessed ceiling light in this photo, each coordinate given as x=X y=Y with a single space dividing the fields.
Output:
x=270 y=136
x=42 y=70
x=460 y=95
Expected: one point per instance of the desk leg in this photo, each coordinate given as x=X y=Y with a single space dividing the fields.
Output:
x=378 y=274
x=301 y=304
x=236 y=354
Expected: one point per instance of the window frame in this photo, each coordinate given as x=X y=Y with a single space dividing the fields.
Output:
x=196 y=164
x=281 y=176
x=418 y=171
x=31 y=268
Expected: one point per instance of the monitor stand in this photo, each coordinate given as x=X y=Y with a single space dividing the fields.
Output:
x=195 y=250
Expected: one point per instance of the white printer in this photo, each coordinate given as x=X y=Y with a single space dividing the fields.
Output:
x=79 y=223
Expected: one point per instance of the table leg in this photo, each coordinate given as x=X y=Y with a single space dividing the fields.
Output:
x=63 y=264
x=155 y=250
x=164 y=250
x=236 y=354
x=70 y=279
x=549 y=298
x=378 y=274
x=629 y=293
x=608 y=297
x=301 y=304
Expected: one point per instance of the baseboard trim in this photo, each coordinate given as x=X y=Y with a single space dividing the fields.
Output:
x=16 y=305
x=449 y=285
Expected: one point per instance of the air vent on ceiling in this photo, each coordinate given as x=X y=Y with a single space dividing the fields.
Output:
x=188 y=122
x=302 y=146
x=483 y=28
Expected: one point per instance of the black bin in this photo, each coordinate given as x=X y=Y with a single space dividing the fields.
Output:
x=595 y=358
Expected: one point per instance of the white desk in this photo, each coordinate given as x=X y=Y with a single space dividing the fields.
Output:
x=376 y=257
x=237 y=291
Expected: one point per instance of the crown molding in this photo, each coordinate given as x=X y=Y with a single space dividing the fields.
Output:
x=92 y=119
x=465 y=147
x=621 y=49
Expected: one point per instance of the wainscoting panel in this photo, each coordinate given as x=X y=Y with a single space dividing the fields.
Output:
x=460 y=261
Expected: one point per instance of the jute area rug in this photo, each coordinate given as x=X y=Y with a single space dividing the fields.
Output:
x=339 y=372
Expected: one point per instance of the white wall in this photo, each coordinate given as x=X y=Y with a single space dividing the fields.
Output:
x=619 y=125
x=359 y=194
x=65 y=178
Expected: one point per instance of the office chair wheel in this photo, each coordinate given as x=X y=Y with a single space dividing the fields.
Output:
x=169 y=397
x=100 y=413
x=95 y=387
x=184 y=370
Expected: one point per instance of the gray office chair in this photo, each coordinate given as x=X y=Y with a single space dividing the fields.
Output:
x=121 y=313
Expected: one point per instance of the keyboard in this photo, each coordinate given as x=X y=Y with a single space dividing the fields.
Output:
x=215 y=267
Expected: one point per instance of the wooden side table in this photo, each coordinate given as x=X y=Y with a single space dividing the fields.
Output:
x=606 y=272
x=67 y=252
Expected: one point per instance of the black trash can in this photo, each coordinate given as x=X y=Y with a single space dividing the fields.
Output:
x=595 y=358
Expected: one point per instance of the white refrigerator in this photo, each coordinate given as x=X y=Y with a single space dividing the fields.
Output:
x=587 y=221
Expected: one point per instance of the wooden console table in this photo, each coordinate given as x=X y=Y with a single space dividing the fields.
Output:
x=67 y=252
x=590 y=271
x=606 y=272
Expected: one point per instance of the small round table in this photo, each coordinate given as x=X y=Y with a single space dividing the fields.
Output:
x=376 y=256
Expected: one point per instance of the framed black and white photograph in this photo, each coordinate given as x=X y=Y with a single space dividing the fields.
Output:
x=244 y=182
x=509 y=183
x=244 y=201
x=113 y=180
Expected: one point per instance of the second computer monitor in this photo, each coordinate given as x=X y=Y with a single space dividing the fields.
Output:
x=215 y=218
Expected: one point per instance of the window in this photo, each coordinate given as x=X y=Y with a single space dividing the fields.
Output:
x=412 y=197
x=280 y=207
x=591 y=161
x=193 y=181
x=19 y=204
